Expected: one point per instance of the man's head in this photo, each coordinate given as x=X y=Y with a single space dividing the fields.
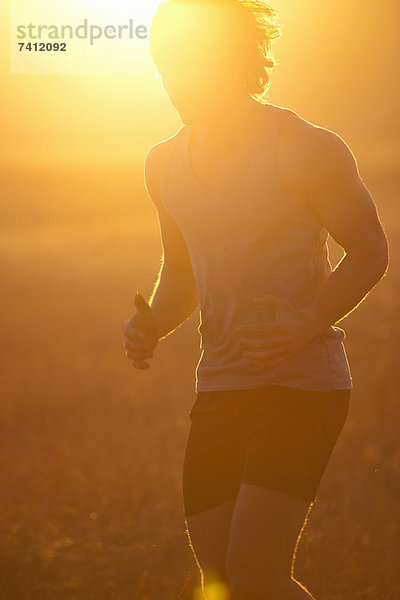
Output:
x=210 y=53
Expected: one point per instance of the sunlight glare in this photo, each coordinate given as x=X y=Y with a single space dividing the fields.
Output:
x=214 y=591
x=118 y=9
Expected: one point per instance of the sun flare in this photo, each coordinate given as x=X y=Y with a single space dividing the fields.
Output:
x=138 y=10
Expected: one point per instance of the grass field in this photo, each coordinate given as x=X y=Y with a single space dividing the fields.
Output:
x=92 y=449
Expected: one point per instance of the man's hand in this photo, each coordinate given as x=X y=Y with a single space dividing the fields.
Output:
x=140 y=334
x=269 y=344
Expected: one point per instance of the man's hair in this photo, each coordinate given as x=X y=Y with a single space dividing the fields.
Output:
x=253 y=28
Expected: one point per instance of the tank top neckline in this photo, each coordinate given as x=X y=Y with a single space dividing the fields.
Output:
x=253 y=146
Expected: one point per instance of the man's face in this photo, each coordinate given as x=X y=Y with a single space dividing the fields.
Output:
x=196 y=87
x=198 y=74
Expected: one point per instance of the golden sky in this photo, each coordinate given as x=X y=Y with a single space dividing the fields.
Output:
x=338 y=67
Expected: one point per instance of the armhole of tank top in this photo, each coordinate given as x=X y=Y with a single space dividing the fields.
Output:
x=163 y=180
x=291 y=198
x=278 y=130
x=158 y=202
x=165 y=176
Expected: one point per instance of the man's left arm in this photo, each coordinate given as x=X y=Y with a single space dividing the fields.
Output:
x=323 y=170
x=335 y=190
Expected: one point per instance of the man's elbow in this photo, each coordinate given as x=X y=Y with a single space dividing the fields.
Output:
x=373 y=251
x=379 y=254
x=384 y=252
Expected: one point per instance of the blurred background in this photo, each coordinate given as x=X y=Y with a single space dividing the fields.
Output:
x=91 y=449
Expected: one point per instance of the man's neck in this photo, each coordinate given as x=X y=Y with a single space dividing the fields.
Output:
x=228 y=129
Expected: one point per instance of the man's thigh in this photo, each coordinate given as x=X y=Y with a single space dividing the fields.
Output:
x=265 y=527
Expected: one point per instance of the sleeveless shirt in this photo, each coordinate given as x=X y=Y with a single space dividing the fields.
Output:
x=246 y=239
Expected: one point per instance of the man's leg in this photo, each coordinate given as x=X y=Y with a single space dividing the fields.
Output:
x=265 y=528
x=208 y=534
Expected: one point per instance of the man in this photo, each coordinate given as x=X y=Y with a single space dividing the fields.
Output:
x=246 y=194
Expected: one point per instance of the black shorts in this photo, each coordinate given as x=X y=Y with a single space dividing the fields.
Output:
x=275 y=436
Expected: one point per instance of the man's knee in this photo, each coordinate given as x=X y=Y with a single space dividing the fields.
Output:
x=256 y=580
x=250 y=589
x=245 y=569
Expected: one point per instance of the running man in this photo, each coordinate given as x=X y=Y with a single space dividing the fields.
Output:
x=246 y=193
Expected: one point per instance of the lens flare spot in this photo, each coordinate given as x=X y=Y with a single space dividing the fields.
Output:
x=214 y=591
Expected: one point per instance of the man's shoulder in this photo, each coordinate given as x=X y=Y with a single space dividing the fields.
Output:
x=155 y=163
x=159 y=151
x=306 y=149
x=296 y=131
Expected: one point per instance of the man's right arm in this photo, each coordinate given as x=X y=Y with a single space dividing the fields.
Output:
x=175 y=296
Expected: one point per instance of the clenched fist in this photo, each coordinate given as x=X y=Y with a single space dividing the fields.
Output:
x=140 y=334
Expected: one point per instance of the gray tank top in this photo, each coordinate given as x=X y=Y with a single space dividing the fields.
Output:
x=246 y=239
